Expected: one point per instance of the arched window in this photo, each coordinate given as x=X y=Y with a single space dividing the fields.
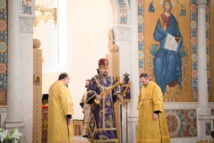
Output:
x=50 y=28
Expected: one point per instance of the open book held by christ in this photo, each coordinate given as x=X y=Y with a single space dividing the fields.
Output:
x=171 y=43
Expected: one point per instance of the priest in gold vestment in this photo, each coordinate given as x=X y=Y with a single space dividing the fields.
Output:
x=152 y=124
x=60 y=110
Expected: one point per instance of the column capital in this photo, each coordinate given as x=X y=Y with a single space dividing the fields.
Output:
x=121 y=32
x=201 y=2
x=26 y=23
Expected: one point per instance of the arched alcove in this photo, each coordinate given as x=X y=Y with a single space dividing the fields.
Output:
x=86 y=25
x=84 y=50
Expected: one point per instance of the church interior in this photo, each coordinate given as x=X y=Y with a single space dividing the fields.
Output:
x=42 y=38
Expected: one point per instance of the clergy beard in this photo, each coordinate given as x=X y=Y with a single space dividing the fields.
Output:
x=104 y=74
x=86 y=86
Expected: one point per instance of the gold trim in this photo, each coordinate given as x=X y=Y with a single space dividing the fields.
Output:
x=117 y=92
x=125 y=90
x=106 y=92
x=105 y=129
x=91 y=91
x=104 y=141
x=99 y=141
x=104 y=113
x=95 y=126
x=46 y=14
x=103 y=87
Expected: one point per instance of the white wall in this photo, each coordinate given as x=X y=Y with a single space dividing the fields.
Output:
x=46 y=32
x=88 y=26
x=88 y=23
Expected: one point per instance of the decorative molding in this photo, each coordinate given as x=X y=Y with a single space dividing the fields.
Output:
x=26 y=23
x=121 y=33
x=45 y=13
x=185 y=140
x=181 y=105
x=173 y=105
x=201 y=2
x=127 y=11
x=124 y=12
x=205 y=117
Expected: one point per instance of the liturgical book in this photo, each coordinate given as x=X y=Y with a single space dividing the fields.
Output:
x=171 y=43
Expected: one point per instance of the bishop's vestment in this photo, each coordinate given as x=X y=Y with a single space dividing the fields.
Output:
x=102 y=127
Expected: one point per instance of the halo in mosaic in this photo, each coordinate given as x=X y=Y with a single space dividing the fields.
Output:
x=194 y=57
x=193 y=24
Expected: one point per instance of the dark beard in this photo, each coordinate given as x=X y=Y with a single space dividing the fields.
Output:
x=105 y=74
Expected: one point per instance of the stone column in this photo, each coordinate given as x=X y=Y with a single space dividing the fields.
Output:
x=134 y=74
x=122 y=40
x=202 y=63
x=205 y=119
x=121 y=35
x=134 y=57
x=13 y=83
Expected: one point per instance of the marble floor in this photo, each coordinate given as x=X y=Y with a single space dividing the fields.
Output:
x=80 y=139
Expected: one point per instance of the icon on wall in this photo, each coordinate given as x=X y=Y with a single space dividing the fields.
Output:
x=37 y=79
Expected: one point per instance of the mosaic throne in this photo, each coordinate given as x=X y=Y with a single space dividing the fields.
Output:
x=174 y=95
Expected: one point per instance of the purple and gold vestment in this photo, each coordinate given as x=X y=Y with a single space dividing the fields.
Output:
x=102 y=127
